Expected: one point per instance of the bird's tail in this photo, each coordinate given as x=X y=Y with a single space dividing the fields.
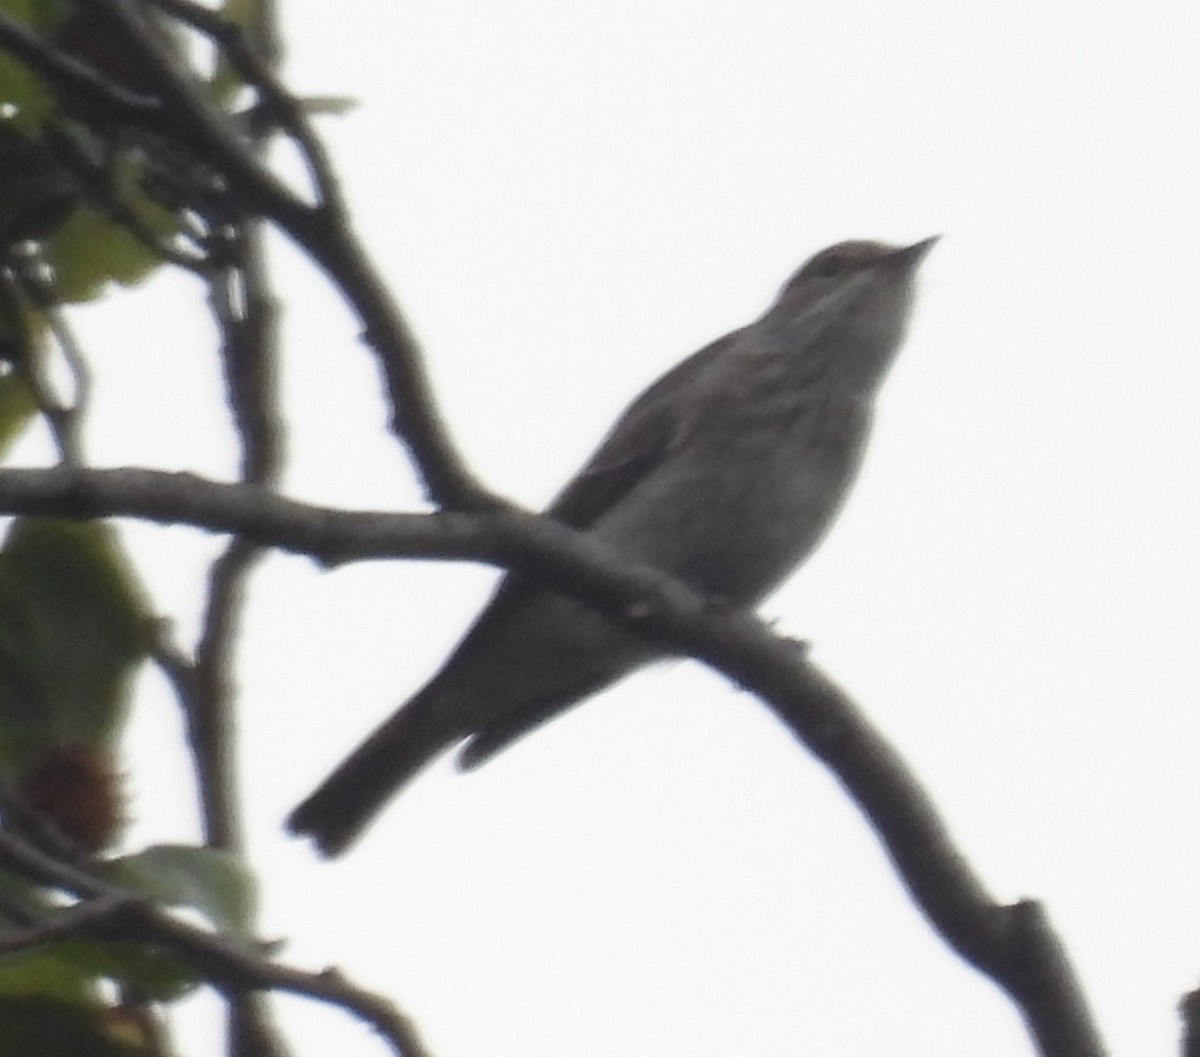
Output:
x=344 y=804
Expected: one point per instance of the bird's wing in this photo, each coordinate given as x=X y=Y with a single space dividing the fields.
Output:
x=651 y=426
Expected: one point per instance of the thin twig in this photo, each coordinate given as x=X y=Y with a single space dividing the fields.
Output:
x=251 y=1031
x=246 y=313
x=246 y=317
x=256 y=68
x=175 y=665
x=75 y=76
x=76 y=920
x=25 y=289
x=65 y=417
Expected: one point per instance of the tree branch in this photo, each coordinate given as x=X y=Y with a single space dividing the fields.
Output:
x=1011 y=944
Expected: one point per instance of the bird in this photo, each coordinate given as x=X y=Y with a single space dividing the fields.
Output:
x=726 y=473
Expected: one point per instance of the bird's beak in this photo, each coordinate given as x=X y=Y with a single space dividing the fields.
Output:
x=914 y=254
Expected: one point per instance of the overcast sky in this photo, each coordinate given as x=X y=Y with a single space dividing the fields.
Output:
x=568 y=198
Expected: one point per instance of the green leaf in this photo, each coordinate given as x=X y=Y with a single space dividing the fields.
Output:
x=214 y=882
x=88 y=251
x=72 y=628
x=48 y=971
x=73 y=968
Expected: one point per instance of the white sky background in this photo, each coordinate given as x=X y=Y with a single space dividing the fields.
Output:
x=568 y=198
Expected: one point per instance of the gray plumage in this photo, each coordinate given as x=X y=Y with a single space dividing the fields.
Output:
x=726 y=472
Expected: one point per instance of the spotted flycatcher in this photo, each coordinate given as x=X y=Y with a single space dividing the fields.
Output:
x=726 y=473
